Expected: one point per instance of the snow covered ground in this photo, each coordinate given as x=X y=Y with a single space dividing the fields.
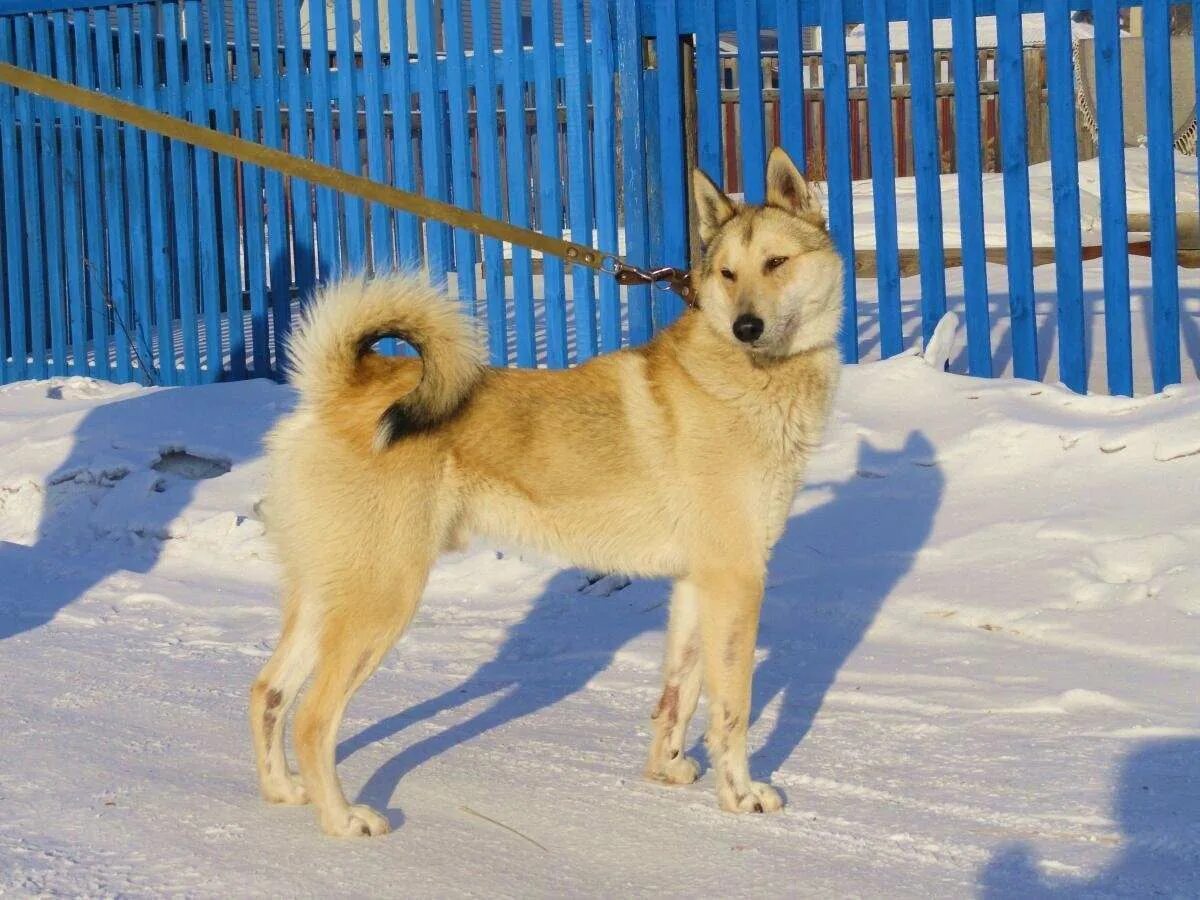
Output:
x=977 y=673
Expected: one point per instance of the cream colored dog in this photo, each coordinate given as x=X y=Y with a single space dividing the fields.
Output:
x=677 y=459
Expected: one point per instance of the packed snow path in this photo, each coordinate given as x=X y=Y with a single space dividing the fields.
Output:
x=977 y=673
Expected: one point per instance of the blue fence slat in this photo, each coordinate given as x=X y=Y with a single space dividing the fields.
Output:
x=927 y=165
x=1114 y=224
x=604 y=177
x=549 y=184
x=633 y=147
x=253 y=231
x=183 y=197
x=837 y=137
x=1014 y=160
x=303 y=241
x=460 y=151
x=792 y=126
x=196 y=91
x=489 y=182
x=883 y=176
x=231 y=238
x=408 y=228
x=14 y=307
x=579 y=175
x=96 y=260
x=1064 y=163
x=750 y=84
x=47 y=114
x=1163 y=244
x=433 y=139
x=653 y=180
x=278 y=242
x=672 y=177
x=372 y=67
x=117 y=300
x=329 y=251
x=31 y=182
x=708 y=91
x=347 y=131
x=134 y=173
x=969 y=154
x=518 y=180
x=162 y=269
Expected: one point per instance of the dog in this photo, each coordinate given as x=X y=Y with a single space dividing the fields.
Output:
x=676 y=459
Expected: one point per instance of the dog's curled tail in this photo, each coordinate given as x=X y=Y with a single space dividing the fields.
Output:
x=331 y=352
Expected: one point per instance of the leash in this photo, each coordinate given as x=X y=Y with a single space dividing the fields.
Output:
x=299 y=167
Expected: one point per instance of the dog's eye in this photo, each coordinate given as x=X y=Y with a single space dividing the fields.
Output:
x=728 y=275
x=775 y=262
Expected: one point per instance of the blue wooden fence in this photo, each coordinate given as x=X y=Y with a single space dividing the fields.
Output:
x=129 y=257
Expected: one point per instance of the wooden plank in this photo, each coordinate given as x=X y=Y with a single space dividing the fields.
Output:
x=604 y=178
x=460 y=151
x=516 y=153
x=672 y=178
x=579 y=173
x=549 y=184
x=1110 y=123
x=253 y=225
x=883 y=171
x=1064 y=164
x=381 y=252
x=753 y=138
x=927 y=165
x=52 y=169
x=489 y=187
x=1010 y=70
x=162 y=269
x=969 y=155
x=31 y=182
x=96 y=258
x=837 y=136
x=399 y=87
x=12 y=309
x=231 y=237
x=349 y=154
x=633 y=149
x=300 y=196
x=1165 y=364
x=791 y=82
x=434 y=177
x=278 y=238
x=196 y=92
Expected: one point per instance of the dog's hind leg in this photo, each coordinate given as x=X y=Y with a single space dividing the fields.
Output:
x=729 y=609
x=271 y=696
x=681 y=691
x=361 y=624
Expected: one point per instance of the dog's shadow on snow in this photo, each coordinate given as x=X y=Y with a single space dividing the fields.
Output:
x=1157 y=808
x=831 y=572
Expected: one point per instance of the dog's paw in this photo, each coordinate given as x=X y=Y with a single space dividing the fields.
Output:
x=680 y=770
x=288 y=791
x=760 y=798
x=355 y=821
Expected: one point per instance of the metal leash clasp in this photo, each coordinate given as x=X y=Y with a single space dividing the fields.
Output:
x=666 y=278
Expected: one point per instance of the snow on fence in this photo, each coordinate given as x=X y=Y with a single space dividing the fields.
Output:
x=129 y=257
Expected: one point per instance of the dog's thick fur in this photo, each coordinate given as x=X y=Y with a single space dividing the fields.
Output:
x=677 y=459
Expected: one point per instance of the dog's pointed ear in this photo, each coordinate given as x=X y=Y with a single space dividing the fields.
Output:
x=787 y=189
x=714 y=208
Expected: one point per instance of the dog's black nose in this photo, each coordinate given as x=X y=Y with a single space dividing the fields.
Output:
x=747 y=328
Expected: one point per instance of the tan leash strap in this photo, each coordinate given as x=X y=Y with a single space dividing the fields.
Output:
x=327 y=176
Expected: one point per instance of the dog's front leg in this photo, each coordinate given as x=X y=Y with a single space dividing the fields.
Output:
x=681 y=691
x=729 y=609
